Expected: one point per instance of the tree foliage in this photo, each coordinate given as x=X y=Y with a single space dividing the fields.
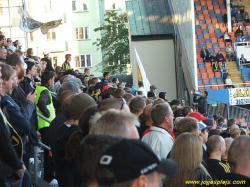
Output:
x=114 y=43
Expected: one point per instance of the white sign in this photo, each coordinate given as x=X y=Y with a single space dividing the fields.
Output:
x=239 y=96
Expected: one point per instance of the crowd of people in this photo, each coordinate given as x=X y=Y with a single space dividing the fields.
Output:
x=103 y=133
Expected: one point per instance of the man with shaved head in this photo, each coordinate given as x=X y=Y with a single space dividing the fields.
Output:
x=216 y=147
x=228 y=142
x=239 y=160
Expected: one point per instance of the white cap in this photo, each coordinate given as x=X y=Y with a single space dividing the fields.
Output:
x=45 y=52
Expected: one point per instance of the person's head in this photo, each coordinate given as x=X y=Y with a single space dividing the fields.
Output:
x=242 y=55
x=115 y=80
x=93 y=81
x=73 y=86
x=176 y=103
x=158 y=101
x=106 y=75
x=31 y=69
x=46 y=54
x=3 y=53
x=229 y=45
x=234 y=132
x=119 y=93
x=162 y=115
x=43 y=64
x=128 y=97
x=68 y=57
x=30 y=52
x=137 y=105
x=234 y=126
x=239 y=157
x=140 y=84
x=47 y=79
x=203 y=47
x=146 y=118
x=188 y=124
x=228 y=142
x=163 y=96
x=74 y=105
x=115 y=122
x=58 y=69
x=87 y=71
x=238 y=12
x=178 y=113
x=2 y=37
x=230 y=122
x=17 y=62
x=153 y=88
x=66 y=94
x=9 y=78
x=132 y=163
x=204 y=94
x=187 y=153
x=216 y=145
x=213 y=132
x=112 y=103
x=90 y=151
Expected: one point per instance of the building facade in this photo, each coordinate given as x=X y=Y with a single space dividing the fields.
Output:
x=74 y=36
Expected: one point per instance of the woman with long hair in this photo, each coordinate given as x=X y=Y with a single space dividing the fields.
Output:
x=187 y=153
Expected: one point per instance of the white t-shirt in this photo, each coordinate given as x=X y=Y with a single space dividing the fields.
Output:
x=143 y=90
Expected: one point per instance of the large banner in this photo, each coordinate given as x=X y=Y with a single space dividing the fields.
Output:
x=239 y=96
x=28 y=24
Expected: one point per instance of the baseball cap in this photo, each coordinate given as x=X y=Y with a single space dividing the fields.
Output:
x=78 y=81
x=197 y=115
x=45 y=52
x=153 y=87
x=128 y=159
x=203 y=126
x=210 y=117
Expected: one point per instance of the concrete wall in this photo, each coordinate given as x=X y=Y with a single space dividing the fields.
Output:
x=158 y=60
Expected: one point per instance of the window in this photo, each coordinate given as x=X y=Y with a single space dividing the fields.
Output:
x=113 y=5
x=48 y=6
x=1 y=9
x=81 y=33
x=83 y=61
x=79 y=5
x=51 y=35
x=32 y=36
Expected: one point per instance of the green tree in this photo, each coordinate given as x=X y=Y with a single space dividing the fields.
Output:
x=114 y=43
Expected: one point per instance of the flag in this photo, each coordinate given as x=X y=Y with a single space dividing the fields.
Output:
x=141 y=73
x=28 y=24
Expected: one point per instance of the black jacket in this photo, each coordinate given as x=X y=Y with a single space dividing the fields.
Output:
x=202 y=104
x=9 y=159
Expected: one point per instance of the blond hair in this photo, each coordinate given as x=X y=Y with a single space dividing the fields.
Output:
x=235 y=132
x=187 y=153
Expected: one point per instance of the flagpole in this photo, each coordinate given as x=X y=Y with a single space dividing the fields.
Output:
x=9 y=18
x=25 y=33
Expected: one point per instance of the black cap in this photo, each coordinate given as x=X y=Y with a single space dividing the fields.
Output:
x=128 y=159
x=70 y=72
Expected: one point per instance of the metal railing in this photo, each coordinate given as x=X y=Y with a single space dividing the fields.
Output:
x=224 y=109
x=224 y=85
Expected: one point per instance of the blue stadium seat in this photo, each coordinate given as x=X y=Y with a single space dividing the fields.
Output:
x=223 y=49
x=197 y=3
x=215 y=53
x=233 y=43
x=238 y=38
x=196 y=16
x=219 y=16
x=199 y=12
x=220 y=79
x=197 y=27
x=211 y=50
x=243 y=28
x=210 y=26
x=246 y=78
x=213 y=80
x=198 y=46
x=202 y=21
x=220 y=20
x=211 y=12
x=217 y=30
x=200 y=81
x=213 y=16
x=218 y=35
x=215 y=44
x=222 y=88
x=207 y=85
x=200 y=36
x=205 y=45
x=247 y=38
x=222 y=6
x=204 y=7
x=215 y=2
x=204 y=31
x=201 y=65
x=208 y=40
